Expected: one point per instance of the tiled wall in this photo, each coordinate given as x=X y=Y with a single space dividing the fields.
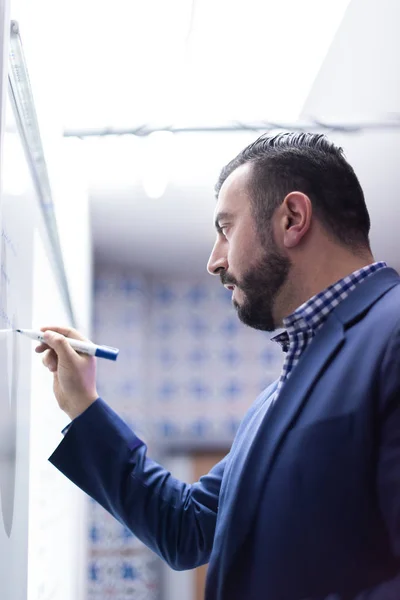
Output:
x=186 y=373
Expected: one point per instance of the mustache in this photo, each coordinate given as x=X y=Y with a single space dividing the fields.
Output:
x=227 y=279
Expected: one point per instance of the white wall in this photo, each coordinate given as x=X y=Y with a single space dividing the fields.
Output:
x=360 y=81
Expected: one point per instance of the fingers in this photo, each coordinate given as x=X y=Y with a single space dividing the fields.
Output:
x=41 y=348
x=50 y=360
x=60 y=345
x=66 y=331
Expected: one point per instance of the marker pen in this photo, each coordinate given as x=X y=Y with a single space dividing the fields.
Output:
x=78 y=345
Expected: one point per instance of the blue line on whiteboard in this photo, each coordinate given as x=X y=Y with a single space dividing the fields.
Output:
x=4 y=274
x=8 y=241
x=4 y=317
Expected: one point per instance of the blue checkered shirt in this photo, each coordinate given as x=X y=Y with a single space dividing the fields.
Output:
x=302 y=325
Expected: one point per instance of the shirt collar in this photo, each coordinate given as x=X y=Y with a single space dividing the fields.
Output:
x=312 y=314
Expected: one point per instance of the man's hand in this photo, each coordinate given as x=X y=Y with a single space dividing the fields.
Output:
x=74 y=374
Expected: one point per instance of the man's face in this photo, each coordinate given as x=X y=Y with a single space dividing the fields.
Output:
x=254 y=271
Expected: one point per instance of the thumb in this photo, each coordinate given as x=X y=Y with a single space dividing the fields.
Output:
x=60 y=345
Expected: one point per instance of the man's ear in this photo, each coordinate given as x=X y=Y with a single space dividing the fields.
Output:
x=296 y=213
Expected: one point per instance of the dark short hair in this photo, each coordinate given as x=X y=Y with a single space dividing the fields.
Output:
x=311 y=164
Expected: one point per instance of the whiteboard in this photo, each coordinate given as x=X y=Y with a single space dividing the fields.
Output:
x=41 y=514
x=15 y=307
x=56 y=552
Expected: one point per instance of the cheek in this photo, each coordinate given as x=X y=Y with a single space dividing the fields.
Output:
x=234 y=264
x=243 y=251
x=240 y=258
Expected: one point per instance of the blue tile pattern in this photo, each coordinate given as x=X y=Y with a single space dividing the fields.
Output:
x=187 y=369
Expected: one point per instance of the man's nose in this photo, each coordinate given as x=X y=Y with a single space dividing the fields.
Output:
x=217 y=260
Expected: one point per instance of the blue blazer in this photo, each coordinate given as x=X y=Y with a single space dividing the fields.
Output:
x=306 y=505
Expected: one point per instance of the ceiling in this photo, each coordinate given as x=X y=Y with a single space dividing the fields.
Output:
x=190 y=60
x=215 y=63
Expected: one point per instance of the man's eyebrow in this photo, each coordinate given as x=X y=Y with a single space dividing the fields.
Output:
x=221 y=216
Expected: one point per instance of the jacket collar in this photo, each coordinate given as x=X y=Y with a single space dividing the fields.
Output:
x=357 y=304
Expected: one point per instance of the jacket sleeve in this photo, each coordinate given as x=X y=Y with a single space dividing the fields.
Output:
x=104 y=458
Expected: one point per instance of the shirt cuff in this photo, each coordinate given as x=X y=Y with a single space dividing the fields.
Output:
x=65 y=430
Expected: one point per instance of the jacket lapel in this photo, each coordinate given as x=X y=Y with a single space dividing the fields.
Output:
x=252 y=460
x=252 y=463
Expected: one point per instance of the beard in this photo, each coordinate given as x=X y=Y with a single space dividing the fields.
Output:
x=260 y=286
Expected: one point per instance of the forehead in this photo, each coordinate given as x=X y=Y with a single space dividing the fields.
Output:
x=234 y=194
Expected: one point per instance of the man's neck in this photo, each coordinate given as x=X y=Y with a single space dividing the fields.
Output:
x=305 y=282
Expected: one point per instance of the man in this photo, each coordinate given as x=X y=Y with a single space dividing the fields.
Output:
x=307 y=503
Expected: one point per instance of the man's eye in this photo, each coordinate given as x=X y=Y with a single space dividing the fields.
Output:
x=223 y=229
